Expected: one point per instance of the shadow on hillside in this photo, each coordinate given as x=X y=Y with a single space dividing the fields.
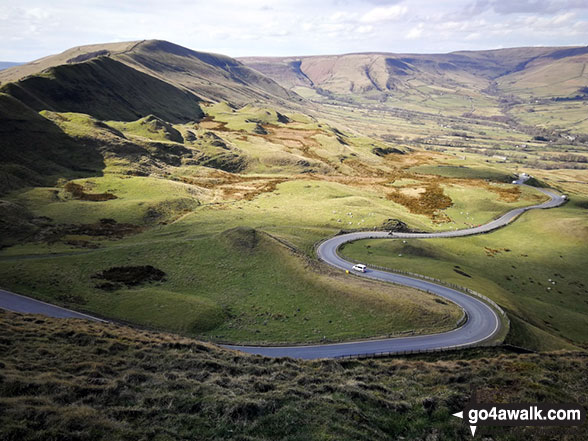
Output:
x=36 y=152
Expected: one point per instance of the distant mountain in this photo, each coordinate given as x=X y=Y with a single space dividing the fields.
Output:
x=536 y=70
x=211 y=77
x=7 y=64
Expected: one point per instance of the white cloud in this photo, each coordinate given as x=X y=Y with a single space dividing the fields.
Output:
x=364 y=29
x=35 y=28
x=37 y=13
x=473 y=36
x=342 y=17
x=390 y=13
x=563 y=18
x=415 y=32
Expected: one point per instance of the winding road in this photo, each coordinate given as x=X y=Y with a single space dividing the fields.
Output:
x=482 y=322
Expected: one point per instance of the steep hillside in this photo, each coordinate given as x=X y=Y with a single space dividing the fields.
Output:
x=210 y=76
x=559 y=74
x=35 y=151
x=106 y=89
x=69 y=379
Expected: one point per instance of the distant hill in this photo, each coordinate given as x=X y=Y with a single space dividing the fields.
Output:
x=535 y=70
x=7 y=64
x=559 y=73
x=209 y=76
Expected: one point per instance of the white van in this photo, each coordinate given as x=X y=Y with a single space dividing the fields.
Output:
x=360 y=267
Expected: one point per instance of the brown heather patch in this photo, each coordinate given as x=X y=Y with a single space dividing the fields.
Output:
x=368 y=171
x=77 y=191
x=116 y=277
x=491 y=252
x=295 y=138
x=426 y=198
x=429 y=202
x=506 y=194
x=209 y=123
x=415 y=159
x=233 y=186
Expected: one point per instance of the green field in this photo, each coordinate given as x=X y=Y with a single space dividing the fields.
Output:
x=168 y=194
x=240 y=285
x=534 y=268
x=181 y=195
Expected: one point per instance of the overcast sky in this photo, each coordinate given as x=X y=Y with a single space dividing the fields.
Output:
x=30 y=29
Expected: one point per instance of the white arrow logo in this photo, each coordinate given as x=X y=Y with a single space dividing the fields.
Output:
x=460 y=415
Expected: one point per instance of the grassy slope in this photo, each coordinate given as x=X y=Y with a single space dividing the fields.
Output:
x=213 y=77
x=236 y=286
x=451 y=84
x=549 y=77
x=107 y=90
x=86 y=381
x=542 y=245
x=36 y=151
x=140 y=200
x=346 y=177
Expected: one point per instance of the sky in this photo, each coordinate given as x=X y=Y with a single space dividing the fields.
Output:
x=31 y=29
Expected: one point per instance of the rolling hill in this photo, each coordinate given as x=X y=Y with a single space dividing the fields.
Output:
x=122 y=82
x=453 y=83
x=107 y=141
x=170 y=190
x=365 y=72
x=211 y=77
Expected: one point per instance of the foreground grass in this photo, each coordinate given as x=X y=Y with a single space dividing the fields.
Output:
x=535 y=268
x=74 y=380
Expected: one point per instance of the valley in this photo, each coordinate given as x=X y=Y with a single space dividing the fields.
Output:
x=169 y=188
x=182 y=196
